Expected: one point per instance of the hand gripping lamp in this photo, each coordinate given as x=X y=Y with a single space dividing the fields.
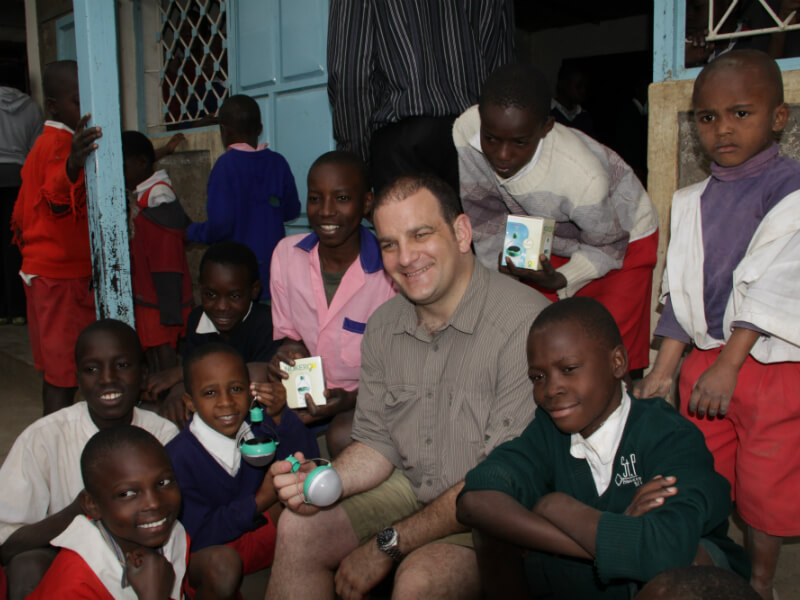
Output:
x=322 y=486
x=258 y=451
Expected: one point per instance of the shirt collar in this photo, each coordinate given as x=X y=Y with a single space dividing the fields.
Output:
x=600 y=448
x=223 y=449
x=465 y=316
x=206 y=325
x=243 y=147
x=475 y=142
x=752 y=167
x=570 y=114
x=369 y=254
x=59 y=125
x=159 y=176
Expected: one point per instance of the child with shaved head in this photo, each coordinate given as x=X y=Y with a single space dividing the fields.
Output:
x=731 y=289
x=251 y=189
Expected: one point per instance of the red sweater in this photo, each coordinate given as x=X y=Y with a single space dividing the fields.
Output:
x=52 y=244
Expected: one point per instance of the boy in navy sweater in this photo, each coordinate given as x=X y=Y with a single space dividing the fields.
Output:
x=605 y=489
x=226 y=500
x=251 y=189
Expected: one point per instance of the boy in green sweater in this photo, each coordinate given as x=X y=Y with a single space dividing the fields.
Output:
x=605 y=490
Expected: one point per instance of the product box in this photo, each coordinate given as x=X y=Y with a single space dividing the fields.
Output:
x=527 y=238
x=305 y=377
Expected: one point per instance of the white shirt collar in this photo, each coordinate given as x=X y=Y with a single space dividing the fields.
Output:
x=570 y=114
x=84 y=538
x=475 y=142
x=223 y=449
x=59 y=125
x=159 y=176
x=601 y=447
x=206 y=325
x=642 y=108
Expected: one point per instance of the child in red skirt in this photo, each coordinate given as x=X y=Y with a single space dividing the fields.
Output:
x=162 y=286
x=514 y=160
x=731 y=289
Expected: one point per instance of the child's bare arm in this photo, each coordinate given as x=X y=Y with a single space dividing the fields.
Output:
x=659 y=381
x=272 y=396
x=288 y=351
x=337 y=401
x=150 y=574
x=83 y=144
x=504 y=518
x=170 y=146
x=713 y=391
x=162 y=381
x=38 y=535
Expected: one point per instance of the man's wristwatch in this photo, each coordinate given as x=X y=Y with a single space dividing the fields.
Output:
x=388 y=541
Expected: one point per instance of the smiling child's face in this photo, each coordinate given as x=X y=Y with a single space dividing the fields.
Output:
x=338 y=200
x=110 y=376
x=226 y=293
x=219 y=392
x=576 y=379
x=137 y=497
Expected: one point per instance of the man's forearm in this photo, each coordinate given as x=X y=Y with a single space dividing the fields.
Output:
x=434 y=521
x=38 y=535
x=361 y=468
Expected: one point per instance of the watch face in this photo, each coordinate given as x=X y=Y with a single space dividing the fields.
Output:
x=386 y=537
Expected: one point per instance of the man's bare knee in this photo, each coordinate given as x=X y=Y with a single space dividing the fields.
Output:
x=438 y=571
x=322 y=539
x=26 y=569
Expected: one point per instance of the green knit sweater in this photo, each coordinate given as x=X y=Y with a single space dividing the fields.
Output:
x=656 y=441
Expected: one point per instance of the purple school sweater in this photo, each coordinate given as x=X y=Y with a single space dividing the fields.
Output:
x=217 y=508
x=732 y=206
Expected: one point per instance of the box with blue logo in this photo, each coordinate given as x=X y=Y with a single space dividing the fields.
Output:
x=305 y=377
x=527 y=238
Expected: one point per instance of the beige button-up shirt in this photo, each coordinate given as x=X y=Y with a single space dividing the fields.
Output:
x=436 y=405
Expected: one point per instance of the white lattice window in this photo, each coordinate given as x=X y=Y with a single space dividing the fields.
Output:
x=194 y=60
x=717 y=23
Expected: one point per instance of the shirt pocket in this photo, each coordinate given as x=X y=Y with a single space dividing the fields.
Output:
x=400 y=408
x=469 y=418
x=352 y=334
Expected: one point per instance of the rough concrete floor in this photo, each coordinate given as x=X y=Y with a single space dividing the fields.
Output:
x=21 y=405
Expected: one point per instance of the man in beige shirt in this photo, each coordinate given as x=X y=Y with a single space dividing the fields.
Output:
x=443 y=382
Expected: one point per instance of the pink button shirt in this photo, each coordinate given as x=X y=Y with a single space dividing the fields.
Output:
x=301 y=312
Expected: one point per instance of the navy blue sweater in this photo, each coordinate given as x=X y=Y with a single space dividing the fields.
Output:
x=218 y=508
x=250 y=195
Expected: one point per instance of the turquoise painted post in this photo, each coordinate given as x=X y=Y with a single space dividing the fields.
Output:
x=96 y=43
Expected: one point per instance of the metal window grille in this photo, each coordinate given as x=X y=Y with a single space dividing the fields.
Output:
x=194 y=59
x=777 y=24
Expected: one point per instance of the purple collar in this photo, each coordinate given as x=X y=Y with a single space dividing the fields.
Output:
x=752 y=167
